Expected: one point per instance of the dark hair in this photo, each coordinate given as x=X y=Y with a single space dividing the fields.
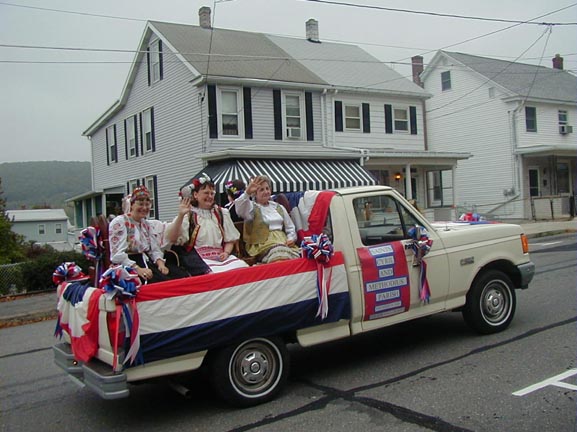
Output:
x=235 y=188
x=200 y=187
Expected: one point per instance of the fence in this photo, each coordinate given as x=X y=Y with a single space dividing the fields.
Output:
x=11 y=279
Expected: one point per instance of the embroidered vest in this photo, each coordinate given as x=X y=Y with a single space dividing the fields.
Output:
x=194 y=227
x=256 y=231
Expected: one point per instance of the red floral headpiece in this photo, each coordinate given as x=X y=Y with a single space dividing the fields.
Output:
x=139 y=193
x=195 y=184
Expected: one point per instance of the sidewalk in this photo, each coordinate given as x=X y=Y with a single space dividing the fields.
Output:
x=41 y=307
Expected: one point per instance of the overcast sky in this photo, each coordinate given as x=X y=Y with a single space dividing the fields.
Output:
x=49 y=97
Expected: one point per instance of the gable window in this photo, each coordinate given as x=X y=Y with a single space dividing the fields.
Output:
x=148 y=130
x=401 y=119
x=531 y=119
x=352 y=117
x=293 y=116
x=58 y=228
x=130 y=125
x=446 y=80
x=41 y=229
x=111 y=152
x=229 y=112
x=155 y=61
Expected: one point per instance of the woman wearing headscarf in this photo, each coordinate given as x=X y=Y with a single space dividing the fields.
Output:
x=132 y=240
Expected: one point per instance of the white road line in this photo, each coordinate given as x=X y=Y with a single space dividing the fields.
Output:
x=545 y=244
x=554 y=381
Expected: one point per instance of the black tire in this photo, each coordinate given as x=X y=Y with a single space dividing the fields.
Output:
x=251 y=372
x=490 y=303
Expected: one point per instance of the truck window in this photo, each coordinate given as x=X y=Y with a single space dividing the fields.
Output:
x=382 y=219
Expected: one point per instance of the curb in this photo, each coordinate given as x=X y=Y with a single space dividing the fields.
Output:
x=28 y=318
x=550 y=233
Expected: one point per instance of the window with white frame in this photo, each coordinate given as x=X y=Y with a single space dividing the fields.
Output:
x=149 y=183
x=446 y=80
x=401 y=119
x=293 y=116
x=531 y=119
x=131 y=135
x=111 y=143
x=230 y=111
x=353 y=117
x=132 y=184
x=155 y=53
x=147 y=132
x=562 y=116
x=58 y=228
x=41 y=229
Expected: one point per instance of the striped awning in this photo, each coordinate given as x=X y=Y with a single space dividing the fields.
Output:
x=291 y=175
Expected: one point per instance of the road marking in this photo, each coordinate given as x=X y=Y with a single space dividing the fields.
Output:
x=553 y=381
x=545 y=244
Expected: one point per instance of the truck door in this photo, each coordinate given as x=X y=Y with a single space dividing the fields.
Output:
x=389 y=272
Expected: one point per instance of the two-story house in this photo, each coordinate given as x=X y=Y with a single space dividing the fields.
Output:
x=516 y=120
x=307 y=113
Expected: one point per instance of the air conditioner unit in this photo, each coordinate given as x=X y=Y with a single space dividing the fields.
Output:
x=293 y=132
x=565 y=129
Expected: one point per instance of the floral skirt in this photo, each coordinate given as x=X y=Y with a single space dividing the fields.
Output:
x=210 y=256
x=274 y=249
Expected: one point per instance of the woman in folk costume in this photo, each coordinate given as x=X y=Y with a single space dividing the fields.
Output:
x=205 y=226
x=132 y=242
x=234 y=189
x=269 y=232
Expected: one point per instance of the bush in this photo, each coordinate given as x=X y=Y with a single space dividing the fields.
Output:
x=37 y=273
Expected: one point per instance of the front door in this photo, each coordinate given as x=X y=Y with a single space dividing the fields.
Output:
x=534 y=182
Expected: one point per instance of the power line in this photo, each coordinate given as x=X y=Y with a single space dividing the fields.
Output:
x=476 y=18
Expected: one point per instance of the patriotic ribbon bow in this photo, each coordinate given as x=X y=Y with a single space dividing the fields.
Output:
x=421 y=245
x=122 y=283
x=320 y=249
x=67 y=272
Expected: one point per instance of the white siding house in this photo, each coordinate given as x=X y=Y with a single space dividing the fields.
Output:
x=42 y=226
x=235 y=103
x=516 y=121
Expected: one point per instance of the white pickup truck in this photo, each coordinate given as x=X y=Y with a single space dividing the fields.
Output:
x=237 y=324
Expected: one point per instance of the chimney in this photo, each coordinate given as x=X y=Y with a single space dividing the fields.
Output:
x=417 y=62
x=558 y=62
x=204 y=17
x=312 y=26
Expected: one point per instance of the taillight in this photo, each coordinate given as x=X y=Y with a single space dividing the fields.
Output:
x=525 y=243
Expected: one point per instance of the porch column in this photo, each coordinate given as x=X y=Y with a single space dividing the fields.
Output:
x=408 y=187
x=454 y=189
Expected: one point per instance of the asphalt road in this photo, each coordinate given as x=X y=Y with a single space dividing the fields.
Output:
x=430 y=374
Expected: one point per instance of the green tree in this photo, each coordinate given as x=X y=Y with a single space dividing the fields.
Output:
x=11 y=244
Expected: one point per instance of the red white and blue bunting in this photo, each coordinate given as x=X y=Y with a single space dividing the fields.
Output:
x=93 y=247
x=421 y=245
x=320 y=249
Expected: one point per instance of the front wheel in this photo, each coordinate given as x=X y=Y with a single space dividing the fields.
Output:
x=251 y=372
x=490 y=303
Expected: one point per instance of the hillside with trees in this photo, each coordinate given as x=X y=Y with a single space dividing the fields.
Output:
x=29 y=185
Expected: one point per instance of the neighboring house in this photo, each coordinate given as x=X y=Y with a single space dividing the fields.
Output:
x=43 y=226
x=309 y=114
x=517 y=122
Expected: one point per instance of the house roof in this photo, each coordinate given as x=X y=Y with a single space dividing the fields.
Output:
x=268 y=60
x=40 y=215
x=524 y=80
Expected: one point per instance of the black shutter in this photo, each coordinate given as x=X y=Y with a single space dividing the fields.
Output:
x=366 y=118
x=413 y=119
x=277 y=109
x=128 y=188
x=107 y=149
x=155 y=185
x=338 y=116
x=388 y=119
x=141 y=141
x=160 y=59
x=247 y=104
x=136 y=136
x=309 y=116
x=115 y=146
x=126 y=138
x=148 y=63
x=152 y=133
x=212 y=117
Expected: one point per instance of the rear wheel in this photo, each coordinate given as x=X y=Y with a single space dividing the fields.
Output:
x=250 y=372
x=490 y=303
